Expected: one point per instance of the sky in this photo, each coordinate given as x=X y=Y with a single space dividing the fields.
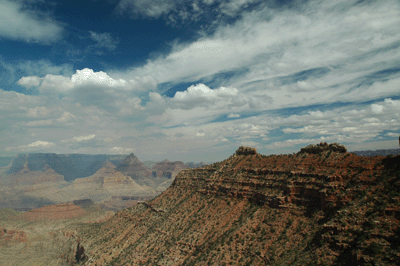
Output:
x=194 y=80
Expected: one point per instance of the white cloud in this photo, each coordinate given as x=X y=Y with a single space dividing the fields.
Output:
x=104 y=40
x=55 y=83
x=88 y=76
x=17 y=23
x=29 y=82
x=38 y=111
x=84 y=78
x=201 y=95
x=121 y=150
x=153 y=8
x=376 y=108
x=183 y=10
x=232 y=115
x=390 y=134
x=319 y=53
x=81 y=138
x=37 y=145
x=39 y=123
x=66 y=116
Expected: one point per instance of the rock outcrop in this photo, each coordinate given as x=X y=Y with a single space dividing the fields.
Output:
x=246 y=150
x=323 y=146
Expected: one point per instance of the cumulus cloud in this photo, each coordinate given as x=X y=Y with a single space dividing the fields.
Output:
x=29 y=82
x=201 y=95
x=18 y=23
x=90 y=88
x=86 y=77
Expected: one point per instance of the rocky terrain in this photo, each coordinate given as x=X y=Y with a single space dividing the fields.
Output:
x=39 y=237
x=328 y=207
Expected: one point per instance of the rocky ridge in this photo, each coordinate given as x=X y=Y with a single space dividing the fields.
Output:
x=325 y=208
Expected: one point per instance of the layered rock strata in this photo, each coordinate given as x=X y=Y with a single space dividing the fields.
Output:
x=326 y=208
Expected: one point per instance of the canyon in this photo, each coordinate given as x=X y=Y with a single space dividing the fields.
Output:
x=328 y=207
x=320 y=206
x=34 y=180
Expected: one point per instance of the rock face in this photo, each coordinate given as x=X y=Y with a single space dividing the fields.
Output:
x=246 y=151
x=132 y=167
x=54 y=212
x=326 y=208
x=323 y=146
x=167 y=169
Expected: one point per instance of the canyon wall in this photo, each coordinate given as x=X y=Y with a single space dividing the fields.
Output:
x=323 y=208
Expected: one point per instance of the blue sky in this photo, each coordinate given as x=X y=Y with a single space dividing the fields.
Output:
x=194 y=80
